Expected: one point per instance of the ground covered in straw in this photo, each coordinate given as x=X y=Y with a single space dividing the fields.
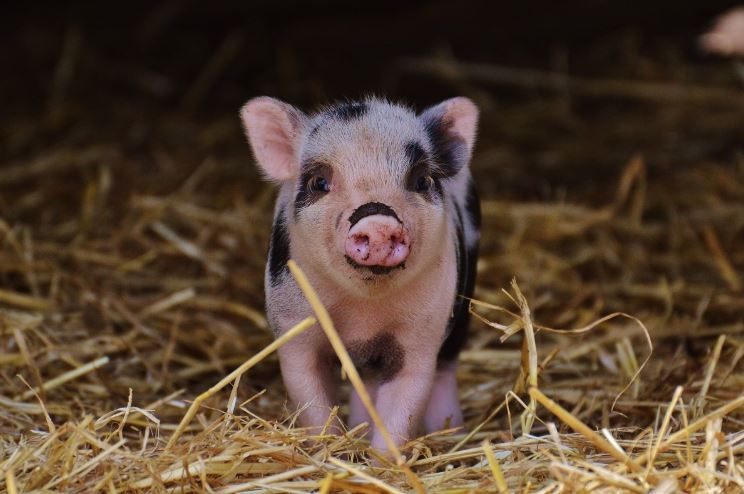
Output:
x=132 y=245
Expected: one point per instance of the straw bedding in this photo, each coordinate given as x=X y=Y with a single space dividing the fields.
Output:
x=130 y=283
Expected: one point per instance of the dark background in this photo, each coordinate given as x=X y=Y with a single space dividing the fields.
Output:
x=144 y=72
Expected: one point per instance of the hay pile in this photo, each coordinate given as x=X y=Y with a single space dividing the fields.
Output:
x=131 y=283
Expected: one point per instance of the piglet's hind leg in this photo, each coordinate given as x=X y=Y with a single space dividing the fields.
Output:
x=443 y=410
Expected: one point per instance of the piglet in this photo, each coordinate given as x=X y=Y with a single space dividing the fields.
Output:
x=377 y=206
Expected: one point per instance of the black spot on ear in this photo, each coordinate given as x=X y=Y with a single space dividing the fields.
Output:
x=457 y=328
x=348 y=111
x=450 y=150
x=278 y=247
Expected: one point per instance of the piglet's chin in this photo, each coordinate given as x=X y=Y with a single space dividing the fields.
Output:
x=377 y=241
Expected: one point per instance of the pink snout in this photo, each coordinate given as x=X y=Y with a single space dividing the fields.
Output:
x=378 y=240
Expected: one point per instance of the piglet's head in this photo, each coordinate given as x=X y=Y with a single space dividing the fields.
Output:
x=365 y=186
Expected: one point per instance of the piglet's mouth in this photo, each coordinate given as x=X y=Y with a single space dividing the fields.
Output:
x=374 y=269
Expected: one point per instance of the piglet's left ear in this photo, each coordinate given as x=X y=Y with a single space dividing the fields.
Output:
x=452 y=125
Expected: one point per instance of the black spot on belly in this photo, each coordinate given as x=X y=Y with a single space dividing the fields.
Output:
x=381 y=357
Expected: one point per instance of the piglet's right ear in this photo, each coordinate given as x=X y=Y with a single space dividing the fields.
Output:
x=274 y=130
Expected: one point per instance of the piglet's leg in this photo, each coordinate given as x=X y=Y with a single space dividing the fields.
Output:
x=443 y=410
x=402 y=401
x=357 y=412
x=309 y=382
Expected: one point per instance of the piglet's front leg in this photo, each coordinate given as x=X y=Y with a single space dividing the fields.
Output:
x=402 y=400
x=309 y=381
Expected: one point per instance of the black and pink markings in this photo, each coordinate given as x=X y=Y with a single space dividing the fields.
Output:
x=378 y=207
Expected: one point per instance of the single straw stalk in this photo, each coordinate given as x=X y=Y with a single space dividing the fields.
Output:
x=67 y=376
x=10 y=482
x=23 y=301
x=701 y=398
x=498 y=475
x=528 y=416
x=664 y=425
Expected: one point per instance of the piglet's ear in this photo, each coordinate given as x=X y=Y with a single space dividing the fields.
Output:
x=274 y=130
x=452 y=125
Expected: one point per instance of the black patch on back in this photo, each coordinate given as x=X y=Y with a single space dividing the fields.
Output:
x=382 y=356
x=349 y=111
x=450 y=151
x=467 y=259
x=370 y=209
x=278 y=248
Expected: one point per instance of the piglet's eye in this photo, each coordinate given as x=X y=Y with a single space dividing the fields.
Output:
x=318 y=184
x=424 y=183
